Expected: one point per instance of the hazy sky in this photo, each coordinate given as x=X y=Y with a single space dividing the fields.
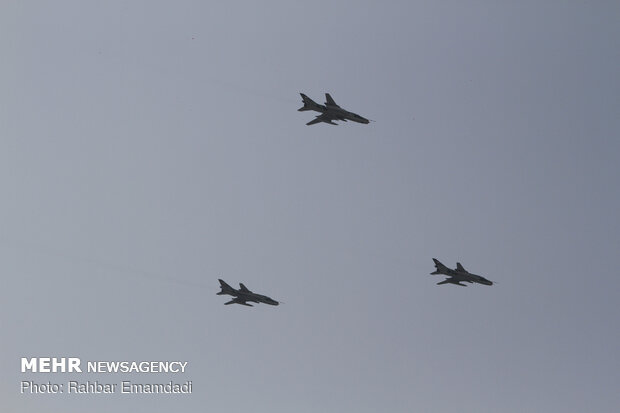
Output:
x=149 y=148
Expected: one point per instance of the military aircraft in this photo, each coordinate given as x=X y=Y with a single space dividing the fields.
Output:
x=329 y=112
x=458 y=275
x=243 y=294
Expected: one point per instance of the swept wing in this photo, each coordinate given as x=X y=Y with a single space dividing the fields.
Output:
x=238 y=300
x=324 y=117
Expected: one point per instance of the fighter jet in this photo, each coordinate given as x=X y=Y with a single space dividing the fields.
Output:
x=329 y=112
x=243 y=294
x=458 y=275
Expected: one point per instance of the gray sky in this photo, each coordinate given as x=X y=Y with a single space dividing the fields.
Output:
x=149 y=148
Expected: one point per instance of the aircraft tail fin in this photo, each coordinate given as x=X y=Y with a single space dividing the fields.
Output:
x=226 y=289
x=438 y=266
x=310 y=104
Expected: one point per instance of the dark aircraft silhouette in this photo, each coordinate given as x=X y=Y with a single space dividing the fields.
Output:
x=458 y=275
x=243 y=294
x=329 y=112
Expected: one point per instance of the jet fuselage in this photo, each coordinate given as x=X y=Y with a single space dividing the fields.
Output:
x=256 y=298
x=458 y=275
x=329 y=112
x=243 y=294
x=345 y=115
